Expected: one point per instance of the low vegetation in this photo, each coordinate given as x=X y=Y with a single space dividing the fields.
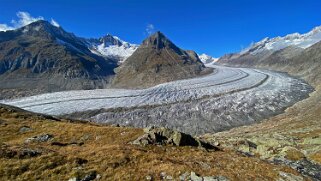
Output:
x=66 y=149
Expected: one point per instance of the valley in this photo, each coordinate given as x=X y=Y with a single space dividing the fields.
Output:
x=97 y=107
x=227 y=98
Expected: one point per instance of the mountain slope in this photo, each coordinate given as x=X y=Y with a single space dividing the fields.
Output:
x=46 y=58
x=259 y=52
x=157 y=61
x=301 y=62
x=78 y=150
x=278 y=43
x=112 y=47
x=307 y=64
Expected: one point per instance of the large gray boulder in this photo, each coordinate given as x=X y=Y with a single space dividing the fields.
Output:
x=165 y=136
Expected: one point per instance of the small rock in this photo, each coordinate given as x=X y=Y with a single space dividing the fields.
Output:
x=149 y=177
x=85 y=137
x=28 y=153
x=91 y=176
x=73 y=179
x=247 y=143
x=98 y=176
x=169 y=177
x=215 y=178
x=205 y=165
x=80 y=161
x=289 y=177
x=195 y=177
x=24 y=129
x=184 y=176
x=163 y=175
x=216 y=143
x=115 y=125
x=40 y=138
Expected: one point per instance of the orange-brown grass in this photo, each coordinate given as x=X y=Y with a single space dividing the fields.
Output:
x=316 y=157
x=107 y=151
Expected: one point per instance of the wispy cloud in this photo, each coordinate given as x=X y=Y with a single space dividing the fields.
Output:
x=24 y=18
x=150 y=29
x=4 y=27
x=54 y=22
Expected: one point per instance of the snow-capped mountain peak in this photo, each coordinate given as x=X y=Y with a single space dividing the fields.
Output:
x=207 y=59
x=112 y=47
x=315 y=30
x=109 y=40
x=277 y=43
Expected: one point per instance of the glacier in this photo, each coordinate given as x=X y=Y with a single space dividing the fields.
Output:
x=226 y=98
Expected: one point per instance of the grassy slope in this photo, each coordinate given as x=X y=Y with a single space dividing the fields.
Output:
x=108 y=153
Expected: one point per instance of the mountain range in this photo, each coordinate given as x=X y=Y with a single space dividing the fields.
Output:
x=49 y=58
x=112 y=47
x=41 y=57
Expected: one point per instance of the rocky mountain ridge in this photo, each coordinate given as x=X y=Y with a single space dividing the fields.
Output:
x=48 y=58
x=157 y=60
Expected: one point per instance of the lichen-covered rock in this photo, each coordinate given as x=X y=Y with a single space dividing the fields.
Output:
x=195 y=177
x=289 y=177
x=90 y=176
x=24 y=129
x=39 y=138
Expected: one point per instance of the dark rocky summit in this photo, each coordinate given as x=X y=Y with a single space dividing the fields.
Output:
x=157 y=61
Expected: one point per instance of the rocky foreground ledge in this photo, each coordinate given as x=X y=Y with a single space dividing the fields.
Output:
x=38 y=147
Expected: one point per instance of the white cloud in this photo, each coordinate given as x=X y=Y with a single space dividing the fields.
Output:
x=4 y=27
x=24 y=18
x=54 y=22
x=150 y=29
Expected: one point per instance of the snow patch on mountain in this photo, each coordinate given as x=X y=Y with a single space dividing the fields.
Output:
x=207 y=59
x=112 y=47
x=278 y=43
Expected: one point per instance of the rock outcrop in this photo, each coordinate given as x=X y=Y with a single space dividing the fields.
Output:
x=164 y=136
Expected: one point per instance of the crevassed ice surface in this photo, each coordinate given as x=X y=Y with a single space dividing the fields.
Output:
x=222 y=81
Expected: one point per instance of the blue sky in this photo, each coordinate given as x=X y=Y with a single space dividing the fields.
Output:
x=214 y=27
